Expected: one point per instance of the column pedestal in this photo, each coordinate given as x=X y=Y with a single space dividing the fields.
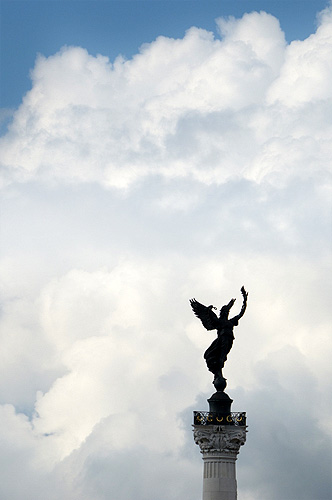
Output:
x=219 y=445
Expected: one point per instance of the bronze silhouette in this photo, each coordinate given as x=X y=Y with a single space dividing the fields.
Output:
x=216 y=355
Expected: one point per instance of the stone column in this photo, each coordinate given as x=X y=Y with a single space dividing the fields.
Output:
x=219 y=445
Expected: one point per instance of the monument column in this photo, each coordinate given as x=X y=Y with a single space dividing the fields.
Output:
x=219 y=432
x=219 y=445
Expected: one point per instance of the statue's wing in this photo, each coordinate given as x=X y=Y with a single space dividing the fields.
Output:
x=205 y=314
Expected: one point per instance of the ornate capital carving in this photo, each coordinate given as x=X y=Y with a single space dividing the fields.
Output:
x=219 y=439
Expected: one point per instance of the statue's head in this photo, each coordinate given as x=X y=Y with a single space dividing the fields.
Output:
x=224 y=311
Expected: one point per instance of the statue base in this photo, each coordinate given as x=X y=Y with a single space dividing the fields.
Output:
x=219 y=382
x=220 y=403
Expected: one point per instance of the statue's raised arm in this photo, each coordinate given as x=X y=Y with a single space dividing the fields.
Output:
x=236 y=318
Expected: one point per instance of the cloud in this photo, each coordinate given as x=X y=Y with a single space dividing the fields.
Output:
x=307 y=70
x=199 y=165
x=200 y=107
x=285 y=434
x=130 y=369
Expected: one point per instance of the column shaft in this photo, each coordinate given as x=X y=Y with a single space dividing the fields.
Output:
x=219 y=478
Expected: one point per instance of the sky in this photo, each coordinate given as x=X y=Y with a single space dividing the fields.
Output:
x=152 y=152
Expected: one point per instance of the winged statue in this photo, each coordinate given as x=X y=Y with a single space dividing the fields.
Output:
x=216 y=355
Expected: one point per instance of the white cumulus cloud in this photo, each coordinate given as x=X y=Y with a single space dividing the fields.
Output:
x=197 y=166
x=199 y=107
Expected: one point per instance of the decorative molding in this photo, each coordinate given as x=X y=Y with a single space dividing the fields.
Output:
x=219 y=439
x=214 y=418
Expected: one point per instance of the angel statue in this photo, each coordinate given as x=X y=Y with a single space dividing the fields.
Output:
x=216 y=355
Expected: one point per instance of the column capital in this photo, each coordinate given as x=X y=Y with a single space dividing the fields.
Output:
x=219 y=439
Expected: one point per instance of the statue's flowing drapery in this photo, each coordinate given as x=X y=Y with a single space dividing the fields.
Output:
x=216 y=355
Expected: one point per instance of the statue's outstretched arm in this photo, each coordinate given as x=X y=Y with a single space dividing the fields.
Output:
x=244 y=305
